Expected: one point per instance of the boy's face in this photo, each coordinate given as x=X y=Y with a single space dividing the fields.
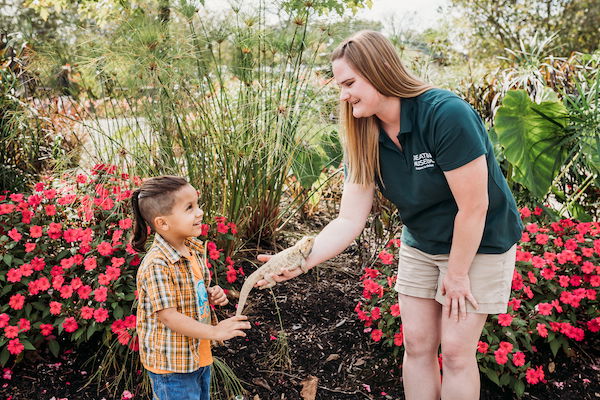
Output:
x=185 y=219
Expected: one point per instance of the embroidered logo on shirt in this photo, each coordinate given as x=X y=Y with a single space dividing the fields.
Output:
x=422 y=161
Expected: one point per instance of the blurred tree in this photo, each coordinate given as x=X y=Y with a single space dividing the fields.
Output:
x=498 y=24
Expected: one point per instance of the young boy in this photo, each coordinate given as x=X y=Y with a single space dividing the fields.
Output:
x=173 y=315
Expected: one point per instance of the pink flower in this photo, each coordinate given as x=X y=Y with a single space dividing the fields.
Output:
x=376 y=335
x=395 y=310
x=29 y=247
x=525 y=212
x=17 y=301
x=14 y=275
x=4 y=318
x=24 y=325
x=518 y=359
x=542 y=330
x=125 y=223
x=126 y=395
x=14 y=235
x=46 y=329
x=506 y=346
x=482 y=347
x=505 y=319
x=101 y=314
x=87 y=312
x=534 y=376
x=11 y=331
x=101 y=294
x=70 y=325
x=544 y=308
x=55 y=307
x=386 y=258
x=398 y=339
x=15 y=346
x=90 y=263
x=376 y=313
x=105 y=249
x=501 y=356
x=222 y=228
x=35 y=231
x=594 y=325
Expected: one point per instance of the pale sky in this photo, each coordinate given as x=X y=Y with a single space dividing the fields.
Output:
x=416 y=14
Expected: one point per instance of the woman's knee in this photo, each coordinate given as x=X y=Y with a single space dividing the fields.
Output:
x=419 y=343
x=457 y=354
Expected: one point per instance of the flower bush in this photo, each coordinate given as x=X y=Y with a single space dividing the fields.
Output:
x=67 y=268
x=554 y=300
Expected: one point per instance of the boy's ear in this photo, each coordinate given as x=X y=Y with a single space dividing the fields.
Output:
x=161 y=223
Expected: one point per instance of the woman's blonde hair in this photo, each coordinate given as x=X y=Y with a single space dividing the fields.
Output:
x=374 y=57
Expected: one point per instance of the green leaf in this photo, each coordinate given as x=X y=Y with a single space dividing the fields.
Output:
x=493 y=376
x=54 y=347
x=307 y=165
x=533 y=139
x=4 y=356
x=8 y=259
x=27 y=344
x=519 y=388
x=91 y=330
x=504 y=379
x=554 y=346
x=118 y=314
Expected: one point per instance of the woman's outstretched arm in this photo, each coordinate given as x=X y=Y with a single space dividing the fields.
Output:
x=338 y=234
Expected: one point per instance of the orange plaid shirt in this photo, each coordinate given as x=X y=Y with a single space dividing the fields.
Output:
x=164 y=280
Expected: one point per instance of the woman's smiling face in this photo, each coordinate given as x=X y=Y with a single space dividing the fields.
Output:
x=356 y=90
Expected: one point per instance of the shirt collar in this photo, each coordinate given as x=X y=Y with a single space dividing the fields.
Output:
x=406 y=117
x=173 y=255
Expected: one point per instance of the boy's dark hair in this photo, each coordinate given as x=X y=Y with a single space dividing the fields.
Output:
x=152 y=199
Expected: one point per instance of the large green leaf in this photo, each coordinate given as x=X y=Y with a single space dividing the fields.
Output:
x=308 y=164
x=533 y=137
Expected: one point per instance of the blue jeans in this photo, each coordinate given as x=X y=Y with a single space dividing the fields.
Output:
x=181 y=386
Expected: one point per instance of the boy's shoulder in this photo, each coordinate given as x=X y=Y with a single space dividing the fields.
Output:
x=153 y=258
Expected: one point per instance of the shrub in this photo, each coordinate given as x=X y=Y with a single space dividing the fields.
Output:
x=67 y=268
x=554 y=300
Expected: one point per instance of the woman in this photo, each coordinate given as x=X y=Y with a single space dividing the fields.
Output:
x=428 y=152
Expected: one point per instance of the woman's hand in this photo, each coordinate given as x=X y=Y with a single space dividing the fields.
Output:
x=457 y=289
x=217 y=296
x=283 y=276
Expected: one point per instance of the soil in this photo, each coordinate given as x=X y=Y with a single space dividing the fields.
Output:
x=325 y=340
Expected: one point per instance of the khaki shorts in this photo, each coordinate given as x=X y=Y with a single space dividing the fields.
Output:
x=420 y=275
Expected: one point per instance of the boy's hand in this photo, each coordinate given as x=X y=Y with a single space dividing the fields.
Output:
x=217 y=296
x=231 y=327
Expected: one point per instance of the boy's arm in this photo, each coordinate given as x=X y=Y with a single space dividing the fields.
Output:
x=187 y=326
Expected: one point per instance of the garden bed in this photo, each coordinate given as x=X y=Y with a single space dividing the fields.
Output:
x=325 y=339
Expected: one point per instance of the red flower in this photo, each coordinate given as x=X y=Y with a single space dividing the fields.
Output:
x=542 y=330
x=100 y=294
x=482 y=347
x=11 y=331
x=525 y=212
x=395 y=310
x=24 y=325
x=519 y=359
x=541 y=239
x=14 y=235
x=84 y=291
x=4 y=318
x=50 y=210
x=544 y=308
x=46 y=329
x=205 y=228
x=386 y=258
x=14 y=275
x=54 y=230
x=70 y=325
x=101 y=314
x=55 y=307
x=87 y=312
x=105 y=249
x=17 y=301
x=90 y=263
x=29 y=247
x=534 y=376
x=506 y=346
x=222 y=228
x=15 y=346
x=125 y=223
x=6 y=208
x=376 y=313
x=231 y=275
x=594 y=325
x=376 y=335
x=501 y=356
x=398 y=339
x=505 y=319
x=233 y=228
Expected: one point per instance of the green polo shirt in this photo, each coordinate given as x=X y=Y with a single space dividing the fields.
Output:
x=440 y=132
